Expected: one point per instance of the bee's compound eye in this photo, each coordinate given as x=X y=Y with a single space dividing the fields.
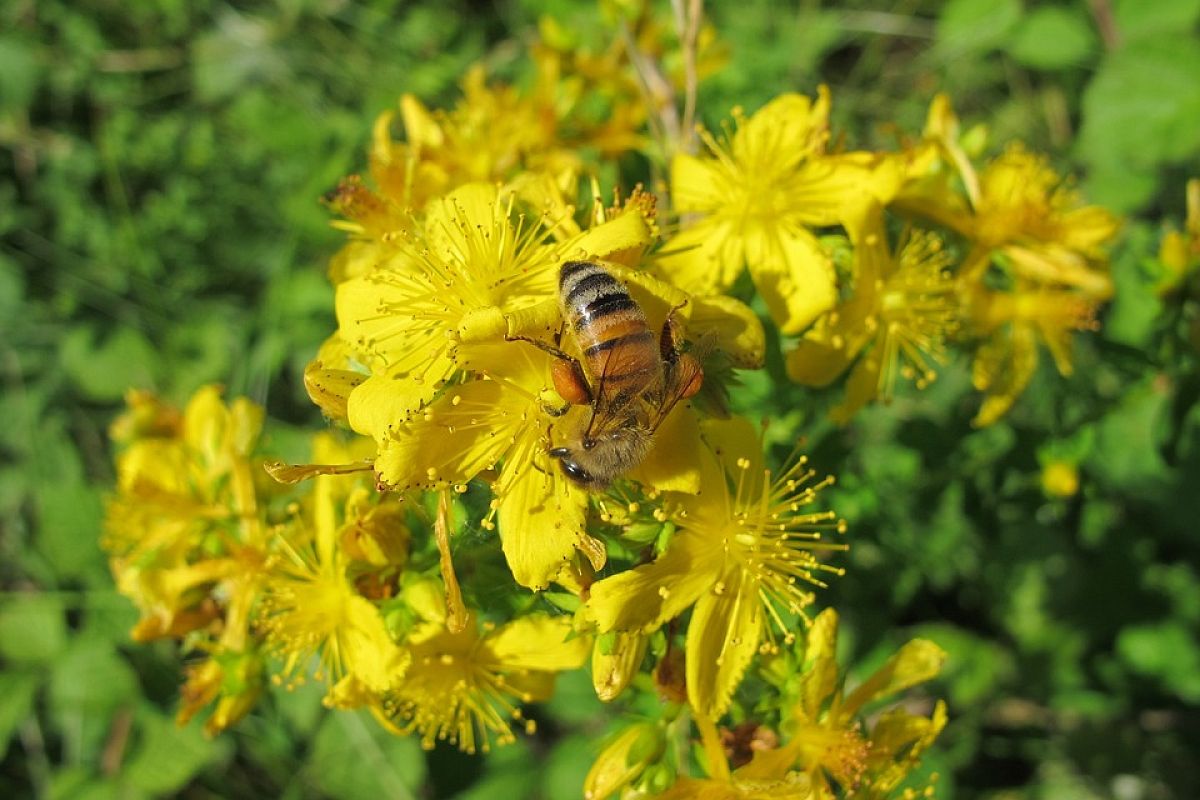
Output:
x=558 y=452
x=576 y=472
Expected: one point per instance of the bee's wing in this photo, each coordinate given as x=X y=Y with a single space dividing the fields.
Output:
x=681 y=379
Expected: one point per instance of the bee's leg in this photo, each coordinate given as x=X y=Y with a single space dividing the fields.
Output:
x=567 y=373
x=670 y=340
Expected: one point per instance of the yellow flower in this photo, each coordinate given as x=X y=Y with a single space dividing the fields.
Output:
x=491 y=134
x=749 y=203
x=474 y=425
x=1180 y=250
x=185 y=517
x=470 y=267
x=1029 y=216
x=1012 y=324
x=894 y=324
x=1018 y=213
x=311 y=607
x=465 y=687
x=742 y=555
x=1060 y=478
x=232 y=681
x=770 y=774
x=824 y=735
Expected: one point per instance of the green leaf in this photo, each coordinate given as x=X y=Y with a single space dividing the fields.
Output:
x=33 y=629
x=1136 y=307
x=89 y=684
x=69 y=516
x=91 y=677
x=353 y=757
x=19 y=72
x=104 y=370
x=18 y=690
x=567 y=766
x=166 y=756
x=1126 y=455
x=1140 y=112
x=1137 y=19
x=973 y=26
x=1165 y=650
x=1053 y=38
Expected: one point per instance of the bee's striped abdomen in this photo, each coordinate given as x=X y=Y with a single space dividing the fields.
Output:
x=619 y=349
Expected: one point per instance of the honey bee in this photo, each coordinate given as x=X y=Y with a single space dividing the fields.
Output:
x=630 y=380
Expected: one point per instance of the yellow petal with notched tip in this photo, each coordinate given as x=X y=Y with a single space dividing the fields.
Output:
x=722 y=639
x=537 y=642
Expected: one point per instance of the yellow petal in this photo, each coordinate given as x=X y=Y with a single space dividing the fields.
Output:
x=792 y=124
x=731 y=326
x=861 y=388
x=537 y=642
x=797 y=281
x=355 y=259
x=541 y=517
x=645 y=597
x=820 y=678
x=623 y=760
x=817 y=362
x=420 y=128
x=722 y=639
x=1003 y=367
x=696 y=184
x=626 y=231
x=673 y=462
x=379 y=320
x=462 y=433
x=330 y=389
x=1055 y=264
x=704 y=259
x=917 y=661
x=381 y=403
x=614 y=670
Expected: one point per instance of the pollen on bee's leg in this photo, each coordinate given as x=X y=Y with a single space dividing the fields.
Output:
x=569 y=383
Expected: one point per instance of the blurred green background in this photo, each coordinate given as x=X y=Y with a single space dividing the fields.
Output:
x=160 y=227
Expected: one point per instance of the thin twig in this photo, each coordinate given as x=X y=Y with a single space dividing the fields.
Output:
x=1106 y=23
x=687 y=23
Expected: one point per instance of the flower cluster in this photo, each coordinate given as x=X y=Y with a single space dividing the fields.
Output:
x=444 y=555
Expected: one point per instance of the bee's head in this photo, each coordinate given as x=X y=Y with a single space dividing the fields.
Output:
x=573 y=469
